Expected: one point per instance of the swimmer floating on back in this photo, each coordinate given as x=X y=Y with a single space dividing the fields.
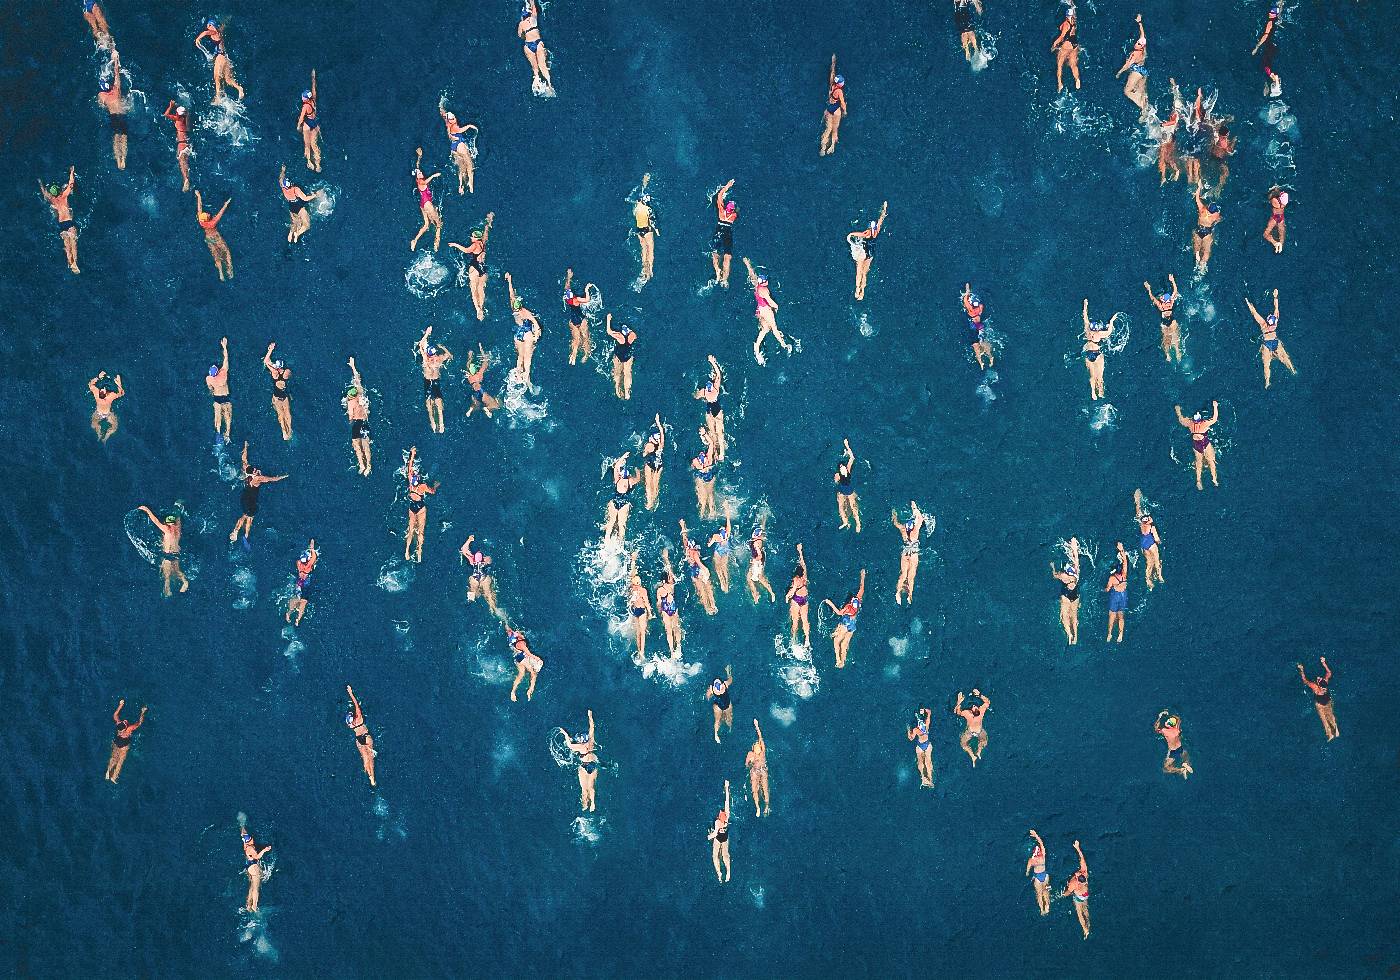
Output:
x=461 y=150
x=1178 y=760
x=121 y=740
x=1322 y=699
x=1135 y=88
x=104 y=419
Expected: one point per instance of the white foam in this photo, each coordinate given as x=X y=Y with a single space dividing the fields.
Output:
x=395 y=576
x=425 y=276
x=795 y=667
x=783 y=716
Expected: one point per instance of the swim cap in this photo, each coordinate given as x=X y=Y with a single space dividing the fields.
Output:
x=104 y=86
x=1273 y=11
x=306 y=556
x=909 y=524
x=517 y=303
x=525 y=12
x=1271 y=320
x=350 y=717
x=1196 y=417
x=306 y=97
x=1096 y=325
x=1165 y=296
x=1214 y=208
x=277 y=364
x=972 y=300
x=53 y=190
x=245 y=835
x=1283 y=199
x=286 y=182
x=840 y=80
x=1173 y=721
x=431 y=350
x=762 y=280
x=729 y=207
x=180 y=110
x=1072 y=568
x=476 y=235
x=171 y=519
x=352 y=391
x=568 y=294
x=872 y=226
x=213 y=370
x=719 y=684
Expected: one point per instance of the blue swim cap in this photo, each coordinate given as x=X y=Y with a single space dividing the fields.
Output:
x=431 y=350
x=306 y=95
x=213 y=370
x=1271 y=320
x=286 y=182
x=104 y=86
x=525 y=13
x=350 y=717
x=909 y=525
x=1165 y=296
x=840 y=80
x=1096 y=325
x=1214 y=209
x=245 y=835
x=211 y=22
x=973 y=300
x=762 y=280
x=568 y=294
x=306 y=556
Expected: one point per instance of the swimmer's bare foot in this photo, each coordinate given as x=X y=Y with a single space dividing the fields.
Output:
x=184 y=587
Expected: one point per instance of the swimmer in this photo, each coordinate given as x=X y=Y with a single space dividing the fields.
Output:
x=723 y=244
x=639 y=605
x=923 y=746
x=973 y=716
x=418 y=489
x=1167 y=157
x=1322 y=699
x=1035 y=864
x=862 y=245
x=652 y=451
x=252 y=866
x=170 y=528
x=579 y=340
x=1149 y=540
x=1178 y=760
x=721 y=546
x=309 y=125
x=646 y=231
x=587 y=751
x=1200 y=442
x=223 y=68
x=765 y=311
x=57 y=198
x=699 y=574
x=355 y=401
x=718 y=696
x=97 y=23
x=476 y=263
x=1267 y=47
x=281 y=397
x=109 y=95
x=526 y=662
x=797 y=597
x=434 y=357
x=528 y=30
x=104 y=419
x=1196 y=129
x=620 y=506
x=666 y=602
x=757 y=560
x=714 y=412
x=981 y=346
x=962 y=21
x=622 y=358
x=846 y=627
x=121 y=741
x=1117 y=589
x=1166 y=306
x=1069 y=594
x=1207 y=217
x=422 y=187
x=1222 y=146
x=296 y=199
x=1066 y=48
x=1135 y=88
x=836 y=110
x=1078 y=888
x=474 y=375
x=364 y=741
x=909 y=532
x=1095 y=333
x=217 y=383
x=179 y=116
x=461 y=150
x=757 y=763
x=719 y=840
x=306 y=564
x=527 y=334
x=1276 y=230
x=847 y=505
x=253 y=481
x=704 y=467
x=218 y=248
x=479 y=582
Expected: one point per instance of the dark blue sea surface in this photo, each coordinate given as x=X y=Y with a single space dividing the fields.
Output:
x=1279 y=857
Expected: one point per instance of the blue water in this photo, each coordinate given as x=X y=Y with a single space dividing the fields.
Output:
x=1279 y=856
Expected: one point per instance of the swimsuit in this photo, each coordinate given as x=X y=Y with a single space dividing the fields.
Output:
x=623 y=351
x=432 y=388
x=1117 y=600
x=122 y=738
x=923 y=744
x=359 y=429
x=66 y=225
x=118 y=121
x=279 y=386
x=1200 y=442
x=310 y=122
x=248 y=499
x=1070 y=592
x=221 y=400
x=706 y=471
x=724 y=237
x=721 y=700
x=572 y=309
x=415 y=504
x=1148 y=541
x=668 y=605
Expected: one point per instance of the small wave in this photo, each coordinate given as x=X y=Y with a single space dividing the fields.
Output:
x=325 y=195
x=864 y=326
x=520 y=410
x=395 y=576
x=588 y=830
x=1101 y=416
x=672 y=670
x=541 y=89
x=795 y=667
x=246 y=584
x=756 y=896
x=783 y=716
x=425 y=276
x=986 y=50
x=229 y=119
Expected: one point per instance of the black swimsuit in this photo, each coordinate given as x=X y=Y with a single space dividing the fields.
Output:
x=249 y=498
x=623 y=351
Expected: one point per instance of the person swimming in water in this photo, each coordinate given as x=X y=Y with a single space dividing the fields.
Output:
x=281 y=396
x=619 y=509
x=862 y=245
x=252 y=866
x=718 y=696
x=475 y=373
x=431 y=216
x=1207 y=217
x=923 y=746
x=479 y=581
x=1069 y=595
x=527 y=334
x=1066 y=48
x=218 y=248
x=721 y=547
x=1277 y=229
x=1267 y=48
x=1166 y=306
x=223 y=68
x=457 y=138
x=1322 y=699
x=719 y=840
x=364 y=741
x=586 y=749
x=846 y=625
x=1222 y=147
x=765 y=311
x=309 y=125
x=109 y=96
x=121 y=740
x=526 y=662
x=699 y=574
x=104 y=418
x=847 y=504
x=1117 y=589
x=217 y=383
x=639 y=607
x=714 y=412
x=1149 y=540
x=757 y=763
x=170 y=528
x=1096 y=333
x=1135 y=88
x=528 y=30
x=179 y=117
x=666 y=603
x=652 y=451
x=974 y=719
x=356 y=404
x=909 y=532
x=306 y=564
x=253 y=481
x=962 y=23
x=1178 y=760
x=97 y=23
x=622 y=358
x=1035 y=865
x=797 y=597
x=433 y=358
x=836 y=110
x=981 y=346
x=1167 y=156
x=579 y=339
x=1078 y=888
x=57 y=198
x=418 y=490
x=644 y=221
x=1200 y=441
x=296 y=199
x=476 y=263
x=704 y=467
x=726 y=213
x=758 y=560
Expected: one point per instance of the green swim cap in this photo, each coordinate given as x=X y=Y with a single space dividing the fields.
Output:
x=53 y=190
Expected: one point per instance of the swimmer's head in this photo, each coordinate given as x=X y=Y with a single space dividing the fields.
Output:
x=763 y=280
x=517 y=303
x=1273 y=12
x=431 y=350
x=105 y=85
x=306 y=96
x=171 y=519
x=204 y=216
x=213 y=370
x=286 y=182
x=719 y=685
x=909 y=524
x=839 y=81
x=973 y=300
x=181 y=110
x=476 y=235
x=1096 y=325
x=1213 y=208
x=729 y=207
x=247 y=837
x=1196 y=417
x=1172 y=722
x=568 y=294
x=1072 y=569
x=1271 y=320
x=53 y=190
x=278 y=364
x=211 y=22
x=306 y=556
x=1164 y=297
x=872 y=226
x=351 y=392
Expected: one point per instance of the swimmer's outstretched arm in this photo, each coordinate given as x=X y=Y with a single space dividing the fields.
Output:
x=1086 y=315
x=151 y=514
x=568 y=279
x=1171 y=277
x=719 y=198
x=1181 y=418
x=1255 y=313
x=510 y=287
x=1275 y=305
x=1214 y=413
x=355 y=375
